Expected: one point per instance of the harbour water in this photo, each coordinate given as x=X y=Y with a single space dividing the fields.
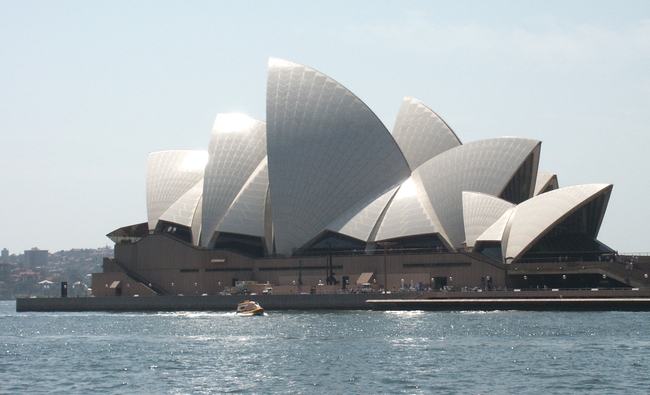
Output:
x=325 y=352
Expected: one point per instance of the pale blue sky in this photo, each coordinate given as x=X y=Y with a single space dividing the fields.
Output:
x=88 y=89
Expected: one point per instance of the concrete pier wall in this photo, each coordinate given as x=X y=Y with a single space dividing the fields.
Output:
x=491 y=304
x=197 y=303
x=597 y=299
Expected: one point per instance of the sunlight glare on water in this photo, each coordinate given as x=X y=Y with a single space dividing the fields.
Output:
x=297 y=352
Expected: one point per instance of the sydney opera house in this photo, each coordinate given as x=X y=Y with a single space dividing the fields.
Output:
x=322 y=194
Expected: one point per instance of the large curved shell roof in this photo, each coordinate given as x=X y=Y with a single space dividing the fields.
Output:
x=533 y=218
x=237 y=148
x=170 y=175
x=480 y=212
x=328 y=153
x=421 y=133
x=486 y=166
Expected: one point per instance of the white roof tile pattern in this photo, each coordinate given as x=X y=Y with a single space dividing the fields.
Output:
x=421 y=133
x=496 y=231
x=328 y=153
x=480 y=212
x=170 y=175
x=237 y=148
x=406 y=215
x=533 y=218
x=325 y=162
x=182 y=211
x=246 y=214
x=483 y=166
x=362 y=225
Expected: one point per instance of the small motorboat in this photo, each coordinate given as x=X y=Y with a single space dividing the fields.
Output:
x=249 y=307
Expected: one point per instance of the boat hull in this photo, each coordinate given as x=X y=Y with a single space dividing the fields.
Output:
x=252 y=312
x=249 y=307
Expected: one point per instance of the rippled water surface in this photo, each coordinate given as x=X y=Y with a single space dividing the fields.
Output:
x=297 y=352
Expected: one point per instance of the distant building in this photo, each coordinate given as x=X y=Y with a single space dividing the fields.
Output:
x=5 y=271
x=28 y=277
x=36 y=257
x=5 y=255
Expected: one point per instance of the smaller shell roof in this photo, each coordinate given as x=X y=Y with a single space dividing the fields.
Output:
x=421 y=133
x=485 y=166
x=362 y=225
x=246 y=214
x=182 y=211
x=408 y=213
x=545 y=182
x=497 y=230
x=480 y=212
x=170 y=175
x=535 y=217
x=236 y=151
